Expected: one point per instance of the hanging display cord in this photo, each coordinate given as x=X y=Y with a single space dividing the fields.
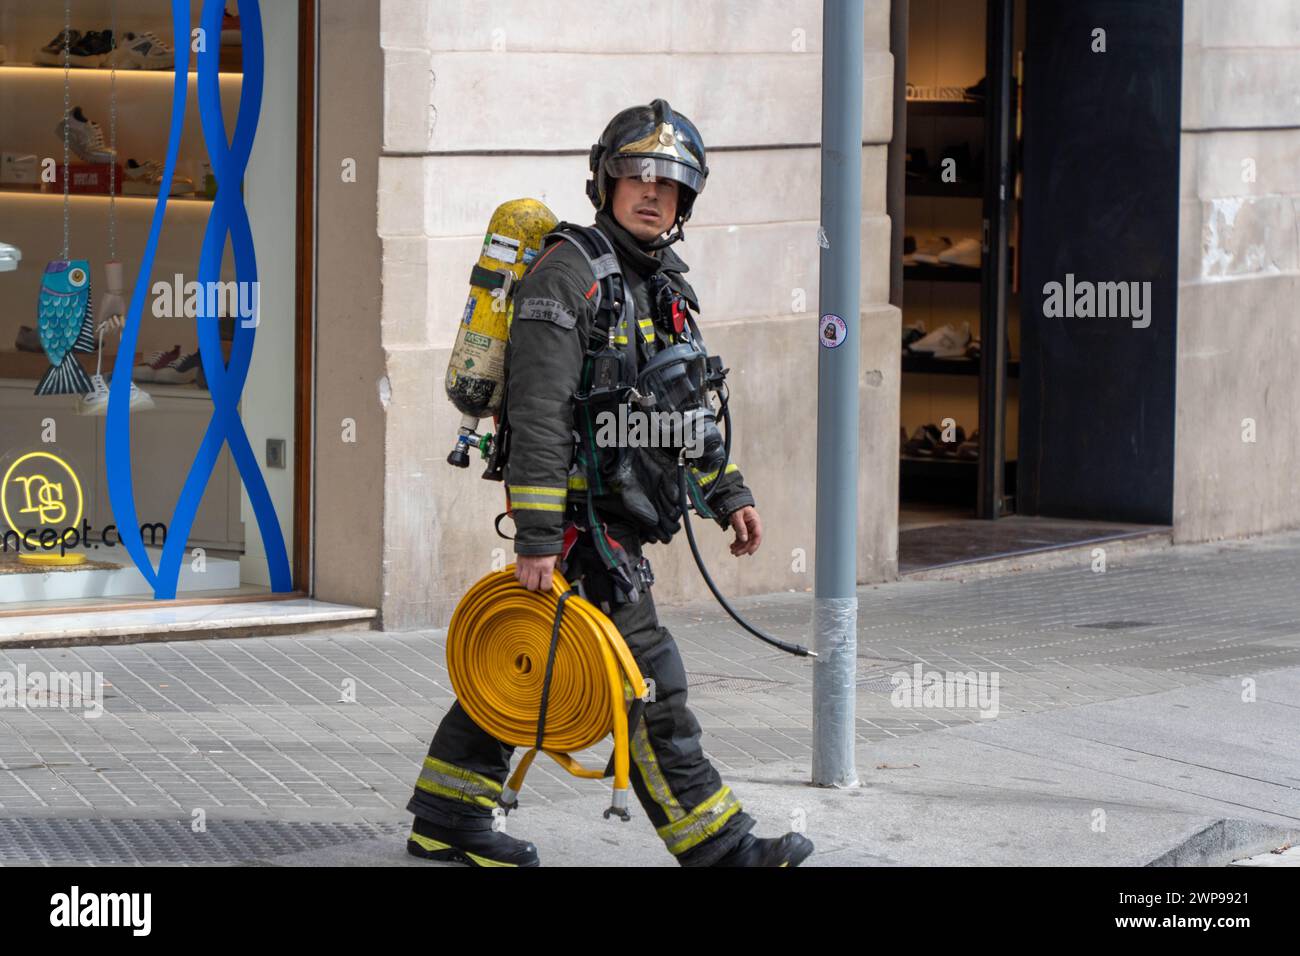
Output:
x=796 y=649
x=112 y=138
x=67 y=123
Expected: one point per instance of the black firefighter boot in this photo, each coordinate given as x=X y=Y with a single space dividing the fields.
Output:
x=479 y=847
x=789 y=850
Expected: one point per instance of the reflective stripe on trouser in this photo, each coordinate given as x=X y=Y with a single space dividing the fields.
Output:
x=475 y=759
x=696 y=815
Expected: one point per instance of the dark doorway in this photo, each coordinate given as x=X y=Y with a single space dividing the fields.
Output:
x=1101 y=150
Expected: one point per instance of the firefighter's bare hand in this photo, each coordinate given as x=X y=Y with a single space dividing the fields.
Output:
x=749 y=530
x=534 y=570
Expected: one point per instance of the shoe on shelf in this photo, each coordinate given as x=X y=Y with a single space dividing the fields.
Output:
x=965 y=253
x=924 y=443
x=913 y=332
x=928 y=250
x=91 y=48
x=145 y=178
x=947 y=341
x=95 y=402
x=10 y=256
x=27 y=339
x=948 y=449
x=489 y=847
x=179 y=371
x=969 y=450
x=85 y=138
x=146 y=370
x=231 y=34
x=141 y=51
x=789 y=850
x=52 y=53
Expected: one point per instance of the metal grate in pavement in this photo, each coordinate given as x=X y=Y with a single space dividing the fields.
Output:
x=726 y=684
x=106 y=841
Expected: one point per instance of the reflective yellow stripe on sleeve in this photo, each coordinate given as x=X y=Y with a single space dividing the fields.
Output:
x=536 y=497
x=708 y=479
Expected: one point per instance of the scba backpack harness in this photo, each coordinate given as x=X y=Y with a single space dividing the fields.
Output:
x=607 y=381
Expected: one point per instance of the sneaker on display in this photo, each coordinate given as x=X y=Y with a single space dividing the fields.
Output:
x=95 y=402
x=27 y=339
x=947 y=341
x=913 y=332
x=10 y=256
x=179 y=371
x=91 y=48
x=146 y=370
x=231 y=34
x=930 y=248
x=969 y=450
x=144 y=179
x=52 y=53
x=965 y=253
x=141 y=51
x=86 y=138
x=924 y=443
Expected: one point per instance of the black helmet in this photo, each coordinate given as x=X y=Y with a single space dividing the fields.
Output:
x=649 y=140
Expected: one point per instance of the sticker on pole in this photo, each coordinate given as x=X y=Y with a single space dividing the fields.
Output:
x=833 y=331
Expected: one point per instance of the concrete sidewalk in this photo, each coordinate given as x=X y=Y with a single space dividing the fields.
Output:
x=1145 y=714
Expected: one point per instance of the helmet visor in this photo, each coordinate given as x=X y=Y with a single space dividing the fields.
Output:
x=657 y=167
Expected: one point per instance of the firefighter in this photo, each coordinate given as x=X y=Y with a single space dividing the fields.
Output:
x=647 y=170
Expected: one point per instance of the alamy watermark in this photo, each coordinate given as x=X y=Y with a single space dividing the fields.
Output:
x=634 y=428
x=946 y=690
x=180 y=299
x=1098 y=300
x=53 y=690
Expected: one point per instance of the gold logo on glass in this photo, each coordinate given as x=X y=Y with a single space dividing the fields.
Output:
x=42 y=491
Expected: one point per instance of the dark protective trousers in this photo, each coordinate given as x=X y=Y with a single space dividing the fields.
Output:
x=693 y=811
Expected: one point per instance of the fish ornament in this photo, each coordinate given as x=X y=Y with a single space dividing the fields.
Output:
x=66 y=324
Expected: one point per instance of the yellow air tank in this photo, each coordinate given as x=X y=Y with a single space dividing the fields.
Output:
x=476 y=372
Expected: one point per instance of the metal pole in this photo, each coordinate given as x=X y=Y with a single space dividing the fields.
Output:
x=835 y=606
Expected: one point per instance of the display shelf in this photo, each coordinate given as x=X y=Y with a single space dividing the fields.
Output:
x=924 y=272
x=80 y=71
x=926 y=187
x=12 y=190
x=928 y=365
x=958 y=108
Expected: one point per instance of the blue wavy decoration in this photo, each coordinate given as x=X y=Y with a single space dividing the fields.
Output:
x=225 y=384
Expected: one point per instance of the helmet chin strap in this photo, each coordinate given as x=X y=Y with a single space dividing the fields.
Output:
x=668 y=240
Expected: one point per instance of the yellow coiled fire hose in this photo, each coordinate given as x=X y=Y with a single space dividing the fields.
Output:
x=498 y=645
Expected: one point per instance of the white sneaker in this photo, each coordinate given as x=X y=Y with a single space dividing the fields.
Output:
x=85 y=138
x=947 y=341
x=143 y=179
x=96 y=402
x=141 y=51
x=929 y=249
x=965 y=253
x=10 y=256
